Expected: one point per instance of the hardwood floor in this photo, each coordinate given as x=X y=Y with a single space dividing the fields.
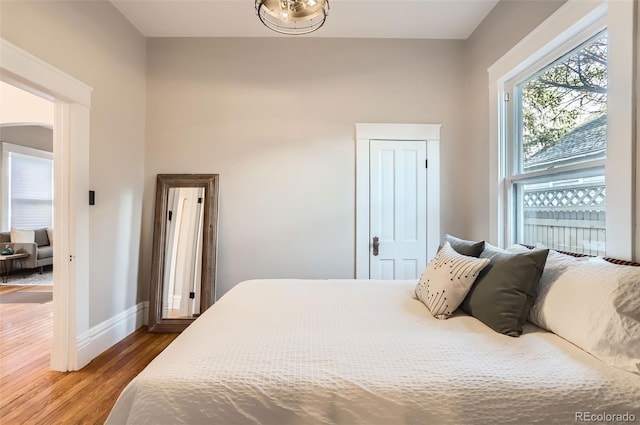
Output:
x=32 y=394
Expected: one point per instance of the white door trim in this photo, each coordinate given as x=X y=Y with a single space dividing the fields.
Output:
x=72 y=100
x=364 y=134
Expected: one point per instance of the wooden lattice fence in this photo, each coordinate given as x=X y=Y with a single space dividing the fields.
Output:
x=567 y=218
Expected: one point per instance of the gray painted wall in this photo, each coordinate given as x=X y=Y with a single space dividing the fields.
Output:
x=507 y=24
x=275 y=118
x=280 y=132
x=31 y=136
x=94 y=43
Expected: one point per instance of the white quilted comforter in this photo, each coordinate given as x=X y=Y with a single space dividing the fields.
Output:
x=364 y=352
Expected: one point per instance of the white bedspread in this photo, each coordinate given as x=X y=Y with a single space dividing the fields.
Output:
x=364 y=352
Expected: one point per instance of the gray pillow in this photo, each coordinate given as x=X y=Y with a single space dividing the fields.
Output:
x=463 y=247
x=41 y=238
x=502 y=295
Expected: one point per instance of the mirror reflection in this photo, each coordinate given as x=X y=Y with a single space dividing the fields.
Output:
x=183 y=249
x=183 y=261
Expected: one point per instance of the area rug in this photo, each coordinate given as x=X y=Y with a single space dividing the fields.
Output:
x=31 y=277
x=27 y=297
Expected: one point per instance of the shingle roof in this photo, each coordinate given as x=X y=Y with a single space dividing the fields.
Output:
x=588 y=139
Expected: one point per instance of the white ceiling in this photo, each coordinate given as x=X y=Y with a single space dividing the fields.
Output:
x=438 y=19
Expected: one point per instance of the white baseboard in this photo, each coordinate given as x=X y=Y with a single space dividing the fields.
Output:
x=102 y=336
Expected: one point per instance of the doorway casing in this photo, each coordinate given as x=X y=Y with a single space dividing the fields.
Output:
x=365 y=133
x=71 y=138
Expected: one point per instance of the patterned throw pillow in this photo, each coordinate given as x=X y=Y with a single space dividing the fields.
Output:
x=447 y=280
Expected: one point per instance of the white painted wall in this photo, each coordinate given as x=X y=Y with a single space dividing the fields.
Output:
x=94 y=43
x=275 y=118
x=19 y=106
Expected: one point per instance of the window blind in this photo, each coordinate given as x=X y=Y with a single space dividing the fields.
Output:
x=31 y=192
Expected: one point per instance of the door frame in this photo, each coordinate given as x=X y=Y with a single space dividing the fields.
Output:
x=72 y=103
x=365 y=133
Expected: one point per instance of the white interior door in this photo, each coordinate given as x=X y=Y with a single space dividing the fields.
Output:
x=397 y=209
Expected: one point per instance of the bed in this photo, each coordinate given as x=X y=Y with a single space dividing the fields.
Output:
x=365 y=352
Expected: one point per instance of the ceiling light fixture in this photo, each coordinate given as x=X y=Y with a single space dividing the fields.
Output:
x=293 y=17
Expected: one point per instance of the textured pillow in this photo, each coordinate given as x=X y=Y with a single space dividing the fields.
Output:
x=22 y=236
x=596 y=305
x=556 y=264
x=461 y=246
x=50 y=235
x=503 y=294
x=513 y=248
x=447 y=279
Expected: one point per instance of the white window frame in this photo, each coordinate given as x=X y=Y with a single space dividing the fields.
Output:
x=9 y=148
x=510 y=145
x=573 y=23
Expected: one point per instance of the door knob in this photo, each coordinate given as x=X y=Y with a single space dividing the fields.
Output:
x=376 y=245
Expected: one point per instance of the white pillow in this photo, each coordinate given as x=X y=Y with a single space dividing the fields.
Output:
x=556 y=264
x=23 y=236
x=447 y=280
x=595 y=305
x=518 y=248
x=50 y=235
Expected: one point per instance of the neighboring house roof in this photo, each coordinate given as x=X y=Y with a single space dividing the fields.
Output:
x=586 y=140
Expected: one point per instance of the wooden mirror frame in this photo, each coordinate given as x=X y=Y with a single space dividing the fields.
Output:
x=164 y=182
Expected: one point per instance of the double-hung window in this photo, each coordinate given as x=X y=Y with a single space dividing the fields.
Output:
x=555 y=150
x=562 y=157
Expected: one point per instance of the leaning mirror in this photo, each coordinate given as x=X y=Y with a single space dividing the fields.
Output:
x=183 y=265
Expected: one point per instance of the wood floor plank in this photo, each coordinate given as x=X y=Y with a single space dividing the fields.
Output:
x=32 y=394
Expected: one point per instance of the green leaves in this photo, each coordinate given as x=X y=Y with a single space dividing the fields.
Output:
x=568 y=93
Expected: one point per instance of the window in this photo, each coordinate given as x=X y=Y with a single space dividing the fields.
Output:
x=29 y=187
x=571 y=27
x=556 y=147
